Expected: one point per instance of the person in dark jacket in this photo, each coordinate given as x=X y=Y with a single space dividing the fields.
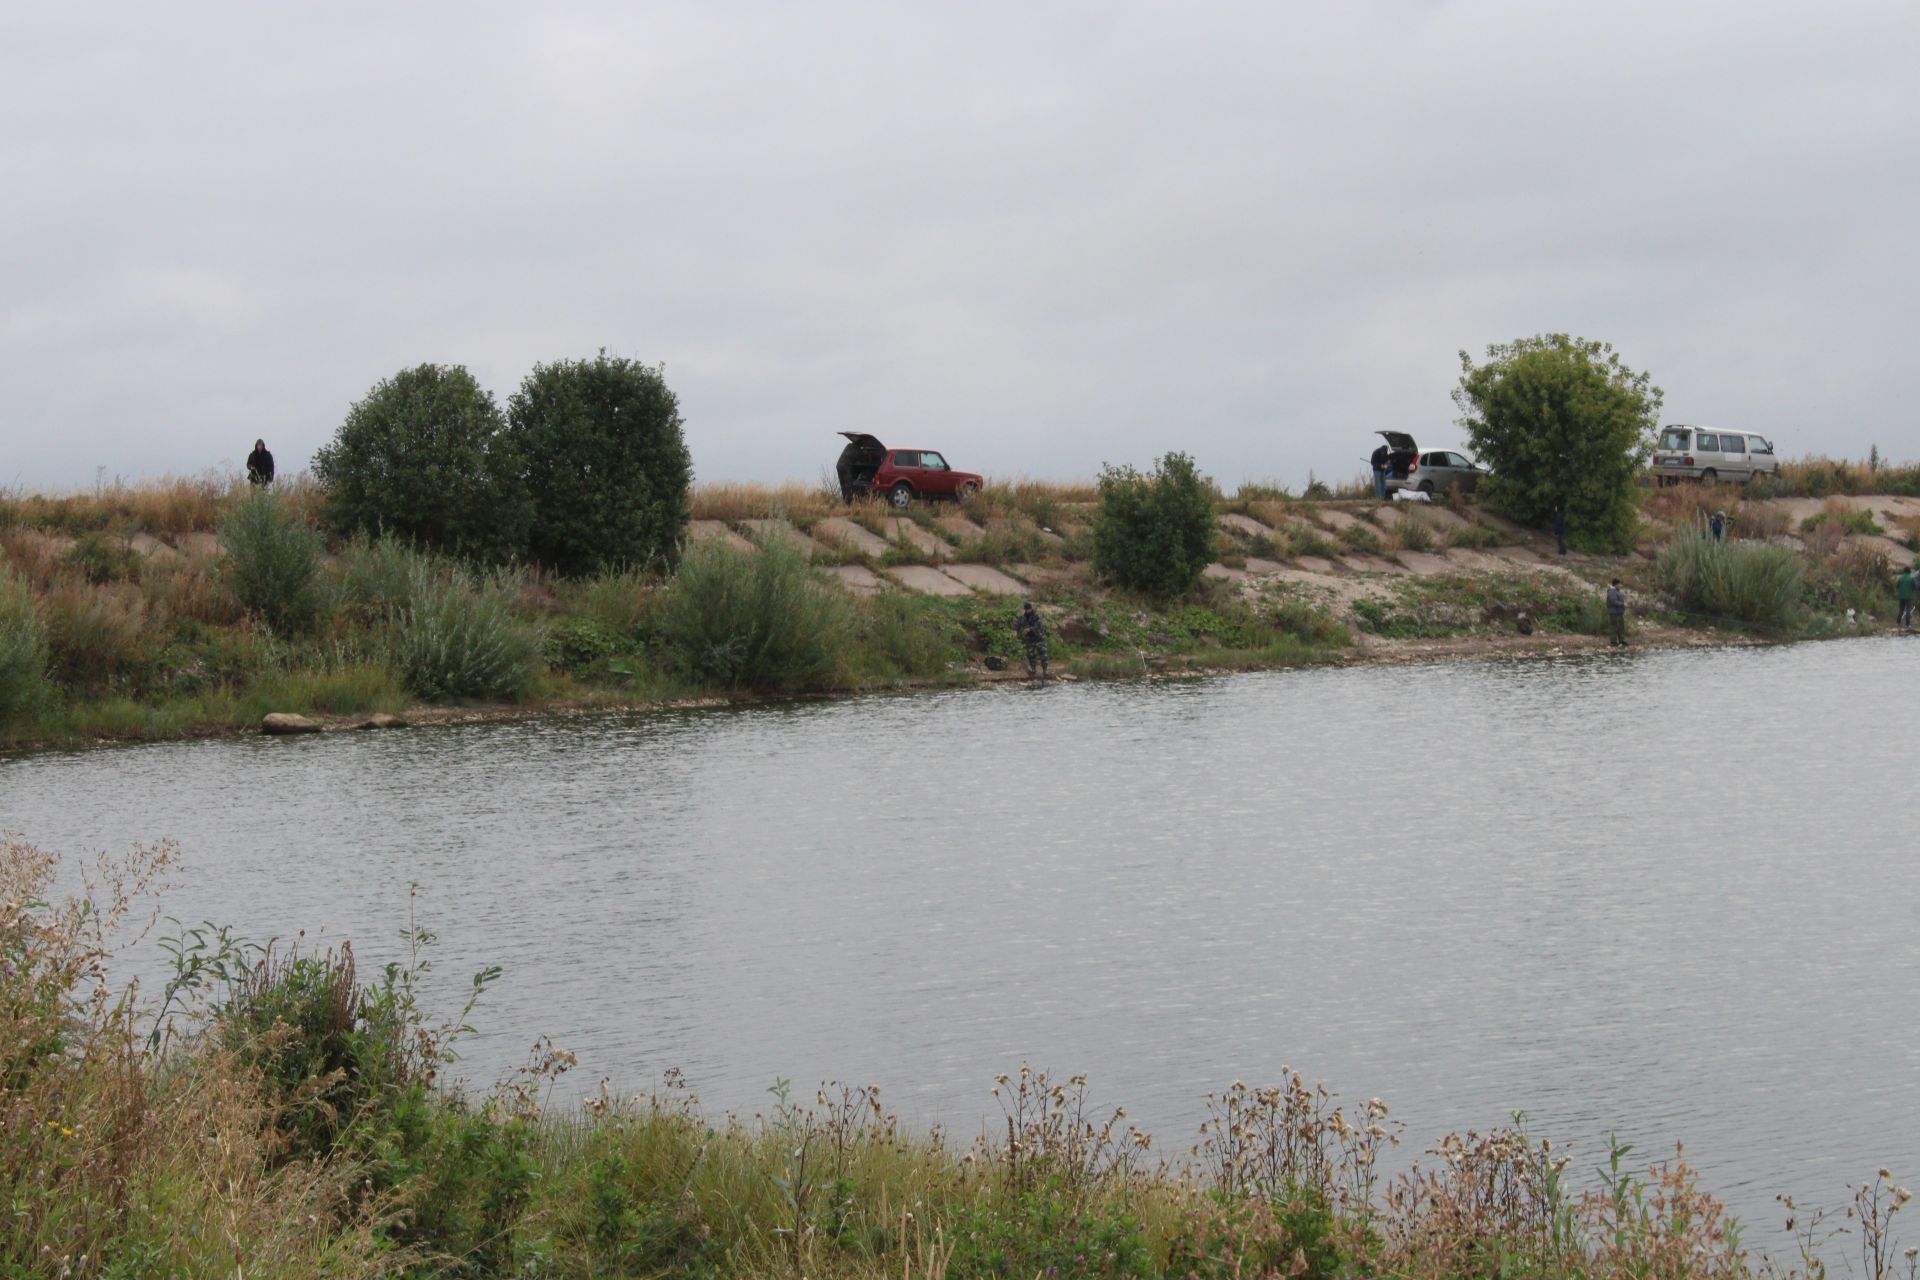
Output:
x=1381 y=457
x=260 y=464
x=1033 y=633
x=1616 y=614
x=1904 y=588
x=1560 y=527
x=1718 y=524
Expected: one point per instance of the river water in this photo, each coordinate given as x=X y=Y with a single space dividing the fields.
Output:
x=1669 y=895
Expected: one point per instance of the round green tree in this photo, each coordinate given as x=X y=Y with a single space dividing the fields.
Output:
x=1154 y=532
x=605 y=461
x=1565 y=426
x=426 y=456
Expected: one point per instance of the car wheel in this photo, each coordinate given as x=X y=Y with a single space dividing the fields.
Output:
x=901 y=496
x=1709 y=476
x=1426 y=486
x=965 y=492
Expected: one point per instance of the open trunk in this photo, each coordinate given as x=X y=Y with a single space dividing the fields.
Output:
x=858 y=462
x=1403 y=452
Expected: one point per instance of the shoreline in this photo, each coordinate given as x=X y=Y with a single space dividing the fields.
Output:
x=1364 y=651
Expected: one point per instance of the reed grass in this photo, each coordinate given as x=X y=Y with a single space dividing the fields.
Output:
x=1756 y=584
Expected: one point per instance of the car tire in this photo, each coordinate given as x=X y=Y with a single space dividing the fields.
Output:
x=1709 y=477
x=965 y=493
x=900 y=496
x=1426 y=487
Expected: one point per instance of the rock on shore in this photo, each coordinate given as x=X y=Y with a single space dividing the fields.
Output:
x=285 y=722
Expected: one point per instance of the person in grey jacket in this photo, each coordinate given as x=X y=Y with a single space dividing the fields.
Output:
x=1616 y=614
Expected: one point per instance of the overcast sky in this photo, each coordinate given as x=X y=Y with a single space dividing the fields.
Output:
x=1035 y=236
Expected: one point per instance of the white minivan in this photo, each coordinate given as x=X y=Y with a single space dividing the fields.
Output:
x=1708 y=454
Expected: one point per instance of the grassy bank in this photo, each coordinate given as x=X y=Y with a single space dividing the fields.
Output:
x=281 y=1114
x=195 y=606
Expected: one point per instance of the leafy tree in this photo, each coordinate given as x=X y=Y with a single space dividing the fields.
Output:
x=1154 y=532
x=426 y=456
x=1563 y=424
x=606 y=464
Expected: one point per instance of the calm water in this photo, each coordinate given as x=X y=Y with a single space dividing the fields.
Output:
x=1673 y=895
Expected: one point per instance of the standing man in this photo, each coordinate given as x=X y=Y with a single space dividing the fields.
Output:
x=1033 y=634
x=259 y=465
x=1560 y=527
x=1903 y=587
x=1718 y=524
x=1380 y=459
x=1616 y=614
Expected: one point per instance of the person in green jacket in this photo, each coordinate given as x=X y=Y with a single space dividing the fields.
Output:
x=1903 y=588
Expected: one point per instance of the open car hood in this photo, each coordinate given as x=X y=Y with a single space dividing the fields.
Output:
x=1400 y=442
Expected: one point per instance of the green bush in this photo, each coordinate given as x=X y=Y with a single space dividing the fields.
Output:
x=1756 y=583
x=374 y=576
x=620 y=601
x=102 y=559
x=1154 y=532
x=23 y=649
x=1860 y=522
x=98 y=636
x=574 y=644
x=457 y=636
x=907 y=635
x=426 y=456
x=606 y=465
x=271 y=562
x=754 y=619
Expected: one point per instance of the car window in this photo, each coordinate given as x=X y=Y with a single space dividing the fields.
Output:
x=1455 y=460
x=1761 y=444
x=1708 y=444
x=1674 y=438
x=1733 y=444
x=906 y=458
x=933 y=462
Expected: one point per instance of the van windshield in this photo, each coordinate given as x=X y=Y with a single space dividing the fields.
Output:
x=1674 y=438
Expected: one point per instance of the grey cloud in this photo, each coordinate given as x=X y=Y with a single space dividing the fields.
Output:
x=1036 y=236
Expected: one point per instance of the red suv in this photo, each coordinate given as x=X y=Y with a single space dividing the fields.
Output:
x=866 y=467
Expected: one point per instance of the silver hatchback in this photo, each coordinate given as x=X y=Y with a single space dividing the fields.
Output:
x=1439 y=471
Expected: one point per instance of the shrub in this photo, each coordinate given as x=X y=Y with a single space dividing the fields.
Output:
x=271 y=562
x=425 y=455
x=1849 y=520
x=1415 y=533
x=372 y=577
x=457 y=636
x=753 y=619
x=606 y=465
x=102 y=559
x=23 y=649
x=97 y=635
x=1361 y=538
x=908 y=635
x=620 y=601
x=1309 y=624
x=574 y=644
x=1154 y=532
x=1756 y=583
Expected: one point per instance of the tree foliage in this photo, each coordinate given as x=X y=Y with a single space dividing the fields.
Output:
x=426 y=456
x=1563 y=424
x=1154 y=532
x=605 y=462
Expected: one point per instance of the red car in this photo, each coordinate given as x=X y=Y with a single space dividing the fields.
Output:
x=868 y=467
